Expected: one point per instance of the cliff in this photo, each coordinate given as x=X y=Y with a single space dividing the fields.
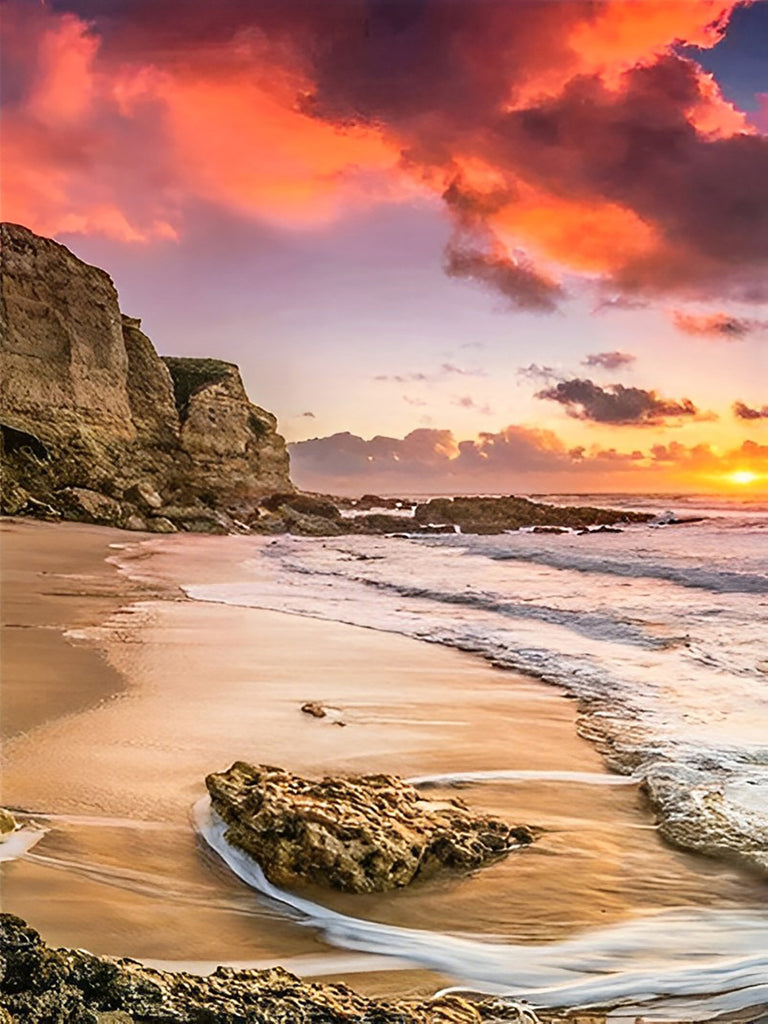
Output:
x=95 y=425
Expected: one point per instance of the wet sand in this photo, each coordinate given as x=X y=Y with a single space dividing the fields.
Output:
x=113 y=729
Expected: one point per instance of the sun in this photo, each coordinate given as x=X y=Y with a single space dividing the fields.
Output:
x=742 y=477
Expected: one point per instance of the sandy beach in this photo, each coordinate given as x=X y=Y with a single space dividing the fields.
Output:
x=120 y=695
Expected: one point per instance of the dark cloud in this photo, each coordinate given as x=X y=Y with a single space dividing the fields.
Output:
x=467 y=402
x=717 y=325
x=515 y=278
x=616 y=403
x=609 y=360
x=745 y=412
x=539 y=374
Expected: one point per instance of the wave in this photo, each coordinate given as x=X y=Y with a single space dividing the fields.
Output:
x=716 y=581
x=709 y=956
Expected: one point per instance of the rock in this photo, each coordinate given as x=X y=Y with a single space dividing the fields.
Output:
x=369 y=501
x=495 y=515
x=314 y=709
x=365 y=833
x=40 y=985
x=195 y=519
x=88 y=506
x=549 y=529
x=159 y=524
x=380 y=522
x=134 y=522
x=144 y=495
x=7 y=823
x=308 y=504
x=13 y=499
x=309 y=526
x=234 y=448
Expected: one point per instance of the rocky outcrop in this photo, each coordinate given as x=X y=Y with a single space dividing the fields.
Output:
x=494 y=515
x=234 y=449
x=365 y=833
x=40 y=985
x=7 y=823
x=89 y=412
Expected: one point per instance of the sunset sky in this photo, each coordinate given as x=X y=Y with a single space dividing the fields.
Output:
x=466 y=245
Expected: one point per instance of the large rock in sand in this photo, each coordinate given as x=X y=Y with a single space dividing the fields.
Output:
x=365 y=833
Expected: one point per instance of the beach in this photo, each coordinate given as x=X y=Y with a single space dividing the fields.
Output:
x=121 y=694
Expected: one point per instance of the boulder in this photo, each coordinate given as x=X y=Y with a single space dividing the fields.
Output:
x=159 y=524
x=309 y=525
x=364 y=833
x=307 y=504
x=134 y=522
x=89 y=506
x=7 y=823
x=144 y=495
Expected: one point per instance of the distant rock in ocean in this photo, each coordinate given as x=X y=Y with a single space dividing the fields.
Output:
x=93 y=420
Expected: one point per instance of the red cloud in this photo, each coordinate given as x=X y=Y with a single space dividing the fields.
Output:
x=567 y=136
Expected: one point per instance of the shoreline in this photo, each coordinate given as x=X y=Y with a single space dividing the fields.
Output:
x=166 y=646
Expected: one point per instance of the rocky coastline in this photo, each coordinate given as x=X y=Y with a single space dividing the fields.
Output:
x=41 y=985
x=97 y=427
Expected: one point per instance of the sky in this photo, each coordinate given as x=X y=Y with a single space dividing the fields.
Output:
x=455 y=245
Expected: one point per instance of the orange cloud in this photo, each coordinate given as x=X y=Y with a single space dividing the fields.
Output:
x=561 y=118
x=584 y=236
x=236 y=144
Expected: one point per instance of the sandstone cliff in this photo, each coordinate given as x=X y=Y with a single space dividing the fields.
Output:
x=96 y=426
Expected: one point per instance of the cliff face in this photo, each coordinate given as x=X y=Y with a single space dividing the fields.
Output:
x=93 y=420
x=233 y=445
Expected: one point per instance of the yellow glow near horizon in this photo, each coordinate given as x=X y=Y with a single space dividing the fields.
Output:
x=742 y=477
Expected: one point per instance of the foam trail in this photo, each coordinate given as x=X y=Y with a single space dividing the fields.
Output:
x=709 y=955
x=512 y=775
x=102 y=822
x=18 y=843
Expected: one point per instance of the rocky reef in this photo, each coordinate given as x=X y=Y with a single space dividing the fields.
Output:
x=40 y=985
x=493 y=515
x=364 y=833
x=96 y=426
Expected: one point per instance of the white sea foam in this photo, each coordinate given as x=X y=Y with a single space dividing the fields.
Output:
x=18 y=843
x=707 y=958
